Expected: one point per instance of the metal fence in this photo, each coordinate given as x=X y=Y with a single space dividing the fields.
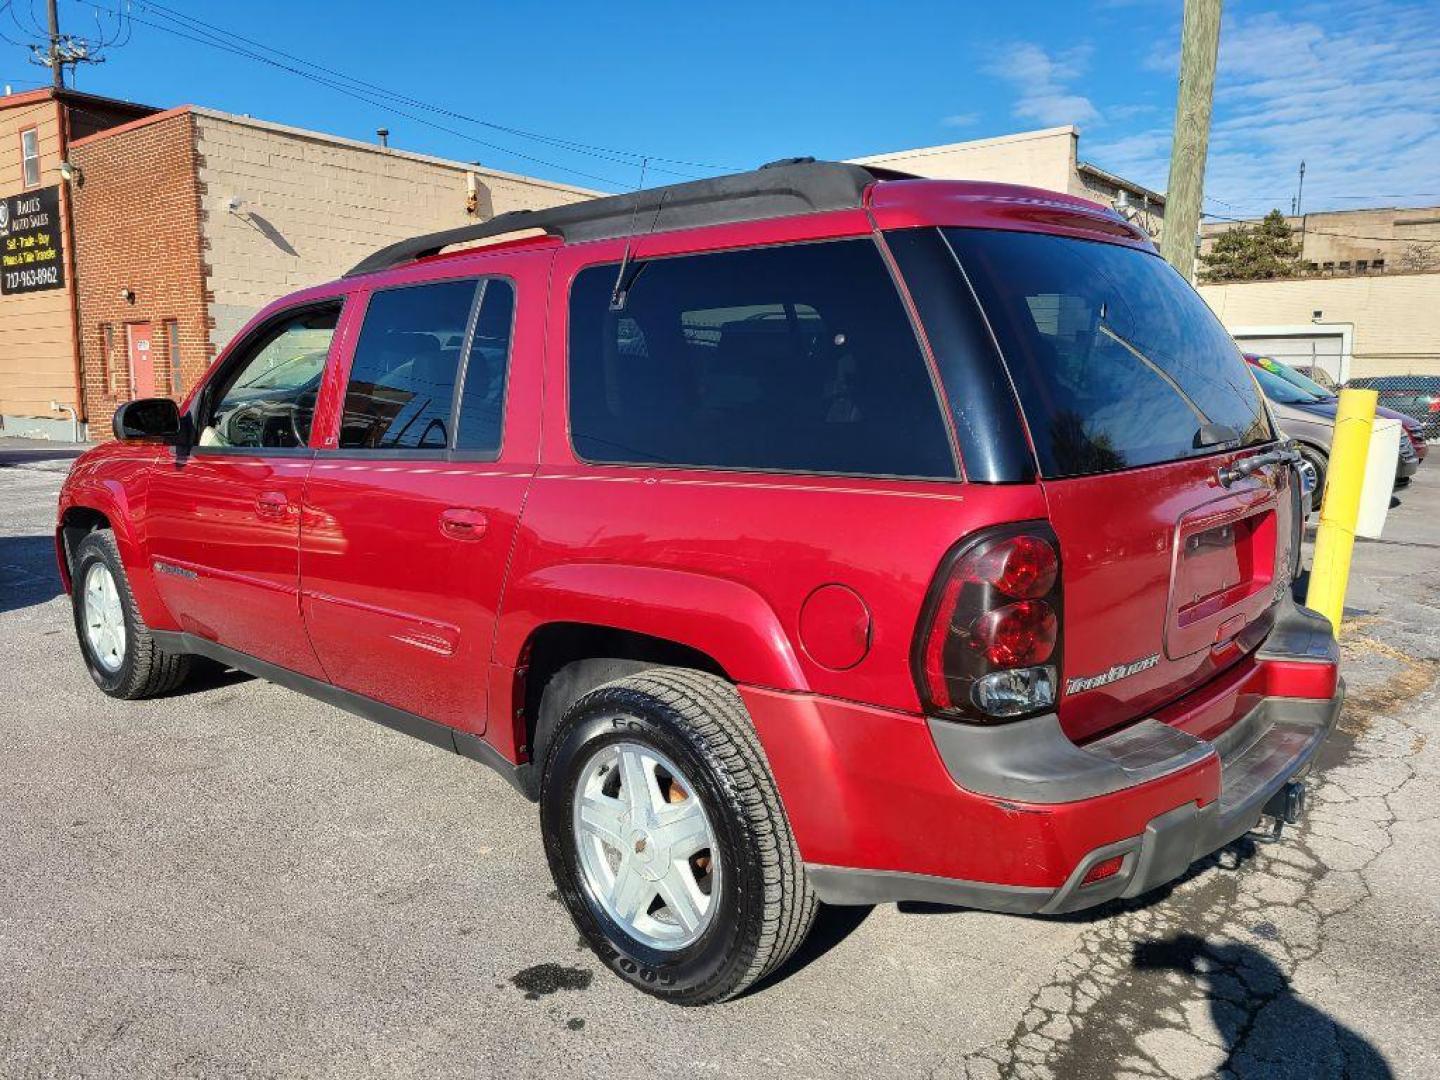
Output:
x=1416 y=396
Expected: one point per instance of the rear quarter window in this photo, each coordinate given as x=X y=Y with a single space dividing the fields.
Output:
x=1117 y=361
x=798 y=358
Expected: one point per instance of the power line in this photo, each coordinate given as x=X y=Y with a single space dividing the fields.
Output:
x=570 y=144
x=383 y=105
x=1343 y=236
x=192 y=29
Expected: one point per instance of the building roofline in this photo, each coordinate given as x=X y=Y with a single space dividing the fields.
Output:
x=332 y=140
x=1119 y=181
x=1312 y=215
x=70 y=97
x=138 y=122
x=389 y=151
x=971 y=144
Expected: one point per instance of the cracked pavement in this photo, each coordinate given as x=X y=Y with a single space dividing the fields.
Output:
x=239 y=881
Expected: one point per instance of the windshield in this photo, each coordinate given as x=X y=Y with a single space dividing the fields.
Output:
x=286 y=372
x=1117 y=361
x=1282 y=390
x=1293 y=377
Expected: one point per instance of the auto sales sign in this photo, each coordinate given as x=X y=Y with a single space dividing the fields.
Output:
x=30 y=258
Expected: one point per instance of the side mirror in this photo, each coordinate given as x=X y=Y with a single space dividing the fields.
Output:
x=147 y=418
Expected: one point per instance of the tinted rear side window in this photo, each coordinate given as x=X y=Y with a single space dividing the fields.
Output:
x=402 y=379
x=796 y=358
x=483 y=399
x=1117 y=361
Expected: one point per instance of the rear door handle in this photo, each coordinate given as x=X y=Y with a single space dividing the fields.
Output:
x=271 y=504
x=460 y=523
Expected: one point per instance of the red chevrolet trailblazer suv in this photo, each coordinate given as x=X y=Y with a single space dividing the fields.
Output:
x=809 y=534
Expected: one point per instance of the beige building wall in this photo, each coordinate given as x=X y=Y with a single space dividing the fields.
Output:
x=1396 y=317
x=1044 y=159
x=283 y=208
x=37 y=350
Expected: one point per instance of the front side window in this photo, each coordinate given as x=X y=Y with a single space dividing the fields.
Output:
x=30 y=156
x=267 y=397
x=1117 y=361
x=798 y=358
x=402 y=379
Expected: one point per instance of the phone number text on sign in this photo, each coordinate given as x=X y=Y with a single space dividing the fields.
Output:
x=30 y=244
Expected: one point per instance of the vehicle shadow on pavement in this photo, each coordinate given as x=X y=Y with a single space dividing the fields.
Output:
x=1270 y=1021
x=832 y=926
x=27 y=571
x=206 y=675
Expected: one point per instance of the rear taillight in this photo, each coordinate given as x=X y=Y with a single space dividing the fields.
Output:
x=988 y=646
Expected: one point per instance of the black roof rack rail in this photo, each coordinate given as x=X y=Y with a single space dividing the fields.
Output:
x=789 y=186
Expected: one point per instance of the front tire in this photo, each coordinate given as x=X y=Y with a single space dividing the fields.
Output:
x=667 y=839
x=118 y=647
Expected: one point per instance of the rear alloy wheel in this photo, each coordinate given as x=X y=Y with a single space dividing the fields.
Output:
x=647 y=852
x=667 y=838
x=118 y=647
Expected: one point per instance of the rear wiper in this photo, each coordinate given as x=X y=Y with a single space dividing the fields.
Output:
x=1158 y=371
x=1285 y=454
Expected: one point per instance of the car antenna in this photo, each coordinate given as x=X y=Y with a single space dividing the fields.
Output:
x=622 y=281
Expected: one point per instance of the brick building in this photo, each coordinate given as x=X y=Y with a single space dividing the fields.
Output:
x=39 y=350
x=189 y=221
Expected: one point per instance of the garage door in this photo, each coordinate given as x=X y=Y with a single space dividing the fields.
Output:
x=1301 y=350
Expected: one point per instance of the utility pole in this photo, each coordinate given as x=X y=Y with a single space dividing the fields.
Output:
x=1300 y=209
x=1199 y=49
x=57 y=69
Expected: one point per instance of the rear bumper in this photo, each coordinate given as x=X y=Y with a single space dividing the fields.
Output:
x=887 y=807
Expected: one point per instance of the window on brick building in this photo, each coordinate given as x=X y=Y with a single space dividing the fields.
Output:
x=107 y=357
x=172 y=346
x=1378 y=265
x=30 y=156
x=1362 y=264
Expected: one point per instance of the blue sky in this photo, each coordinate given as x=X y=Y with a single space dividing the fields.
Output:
x=1352 y=88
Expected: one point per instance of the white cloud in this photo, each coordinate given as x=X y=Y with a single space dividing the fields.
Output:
x=961 y=119
x=1352 y=89
x=1042 y=83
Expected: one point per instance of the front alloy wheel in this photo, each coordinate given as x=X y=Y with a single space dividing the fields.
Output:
x=104 y=618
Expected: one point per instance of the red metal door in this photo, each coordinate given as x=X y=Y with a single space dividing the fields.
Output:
x=142 y=361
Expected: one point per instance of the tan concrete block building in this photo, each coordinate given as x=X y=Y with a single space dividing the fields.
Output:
x=39 y=356
x=1048 y=158
x=189 y=221
x=1375 y=241
x=1353 y=327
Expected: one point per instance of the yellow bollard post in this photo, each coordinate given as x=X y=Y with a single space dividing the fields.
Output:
x=1340 y=504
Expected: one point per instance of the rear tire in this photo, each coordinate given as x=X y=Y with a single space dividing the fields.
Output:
x=119 y=650
x=753 y=904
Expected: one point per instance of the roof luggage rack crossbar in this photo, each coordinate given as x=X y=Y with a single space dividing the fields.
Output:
x=791 y=186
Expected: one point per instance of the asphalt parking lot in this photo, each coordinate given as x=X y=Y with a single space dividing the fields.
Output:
x=238 y=881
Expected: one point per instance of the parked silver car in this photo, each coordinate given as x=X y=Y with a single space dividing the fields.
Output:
x=1310 y=421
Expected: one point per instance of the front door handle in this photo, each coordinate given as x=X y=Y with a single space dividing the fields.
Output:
x=272 y=505
x=460 y=523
